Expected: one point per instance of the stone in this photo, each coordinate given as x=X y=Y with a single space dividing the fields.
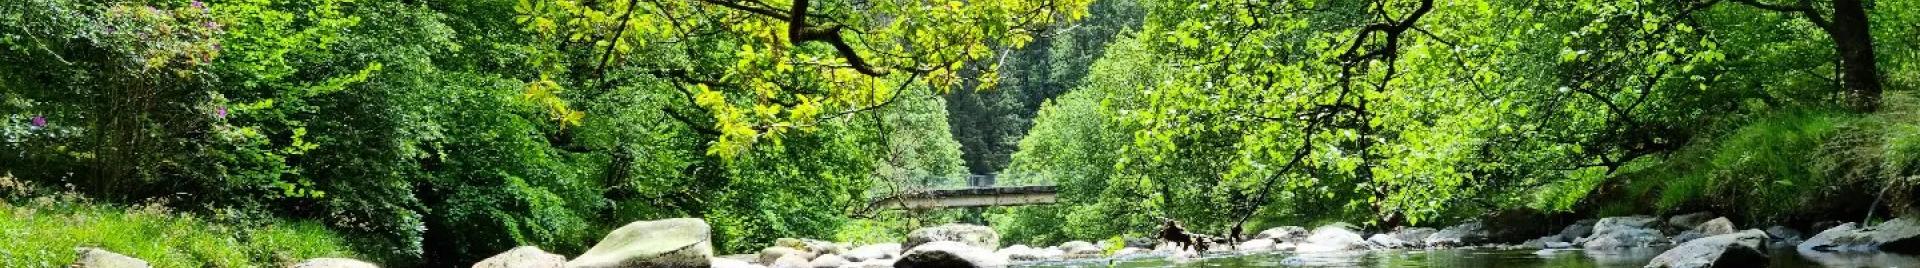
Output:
x=1688 y=235
x=523 y=257
x=827 y=261
x=1131 y=251
x=1081 y=250
x=1384 y=241
x=1783 y=233
x=732 y=263
x=873 y=252
x=790 y=261
x=1414 y=236
x=1142 y=242
x=817 y=247
x=101 y=258
x=1738 y=249
x=1901 y=235
x=870 y=264
x=771 y=254
x=1459 y=235
x=971 y=235
x=1558 y=245
x=949 y=254
x=1284 y=234
x=1622 y=232
x=1689 y=221
x=1543 y=242
x=1582 y=228
x=1022 y=253
x=1716 y=226
x=1333 y=237
x=334 y=263
x=682 y=242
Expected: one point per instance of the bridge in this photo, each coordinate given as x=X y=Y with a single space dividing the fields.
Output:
x=980 y=193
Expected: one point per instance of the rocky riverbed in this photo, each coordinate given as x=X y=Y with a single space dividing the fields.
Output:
x=1689 y=240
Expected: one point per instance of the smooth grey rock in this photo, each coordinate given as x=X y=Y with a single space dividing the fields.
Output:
x=334 y=263
x=523 y=257
x=971 y=235
x=1716 y=226
x=682 y=242
x=1689 y=221
x=1414 y=236
x=1741 y=249
x=1783 y=233
x=101 y=258
x=1622 y=232
x=1333 y=237
x=1543 y=242
x=1284 y=234
x=1582 y=228
x=870 y=264
x=790 y=261
x=1458 y=235
x=1081 y=250
x=827 y=261
x=949 y=254
x=1383 y=241
x=873 y=252
x=1142 y=242
x=770 y=254
x=1023 y=253
x=1900 y=235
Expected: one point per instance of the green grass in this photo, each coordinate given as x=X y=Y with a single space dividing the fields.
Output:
x=44 y=232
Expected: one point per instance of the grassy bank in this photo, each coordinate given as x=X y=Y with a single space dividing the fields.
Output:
x=43 y=232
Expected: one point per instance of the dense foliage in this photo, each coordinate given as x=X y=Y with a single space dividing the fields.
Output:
x=441 y=132
x=414 y=127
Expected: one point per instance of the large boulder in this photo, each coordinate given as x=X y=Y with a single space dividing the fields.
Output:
x=1582 y=228
x=771 y=254
x=827 y=261
x=1285 y=234
x=334 y=263
x=1783 y=233
x=101 y=258
x=1623 y=232
x=949 y=254
x=1740 y=249
x=1900 y=235
x=971 y=235
x=1459 y=235
x=682 y=242
x=1381 y=241
x=1717 y=226
x=1333 y=237
x=791 y=261
x=1688 y=221
x=1081 y=250
x=1142 y=242
x=873 y=252
x=523 y=257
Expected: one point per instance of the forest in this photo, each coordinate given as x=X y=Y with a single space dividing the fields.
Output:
x=423 y=133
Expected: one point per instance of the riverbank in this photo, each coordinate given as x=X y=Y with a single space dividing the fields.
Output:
x=52 y=231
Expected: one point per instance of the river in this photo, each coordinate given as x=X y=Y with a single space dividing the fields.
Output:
x=1781 y=258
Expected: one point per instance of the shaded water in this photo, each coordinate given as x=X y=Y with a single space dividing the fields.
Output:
x=1787 y=258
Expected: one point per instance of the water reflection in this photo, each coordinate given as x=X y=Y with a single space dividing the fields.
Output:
x=1787 y=258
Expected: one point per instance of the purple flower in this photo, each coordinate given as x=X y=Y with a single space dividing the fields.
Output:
x=39 y=121
x=220 y=112
x=211 y=25
x=199 y=5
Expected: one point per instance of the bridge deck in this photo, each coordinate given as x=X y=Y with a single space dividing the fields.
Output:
x=970 y=197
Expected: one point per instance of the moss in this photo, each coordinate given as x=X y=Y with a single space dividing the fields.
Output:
x=45 y=231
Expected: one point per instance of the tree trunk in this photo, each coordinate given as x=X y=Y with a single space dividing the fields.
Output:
x=1853 y=41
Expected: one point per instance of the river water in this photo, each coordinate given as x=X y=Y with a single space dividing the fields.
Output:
x=1787 y=258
